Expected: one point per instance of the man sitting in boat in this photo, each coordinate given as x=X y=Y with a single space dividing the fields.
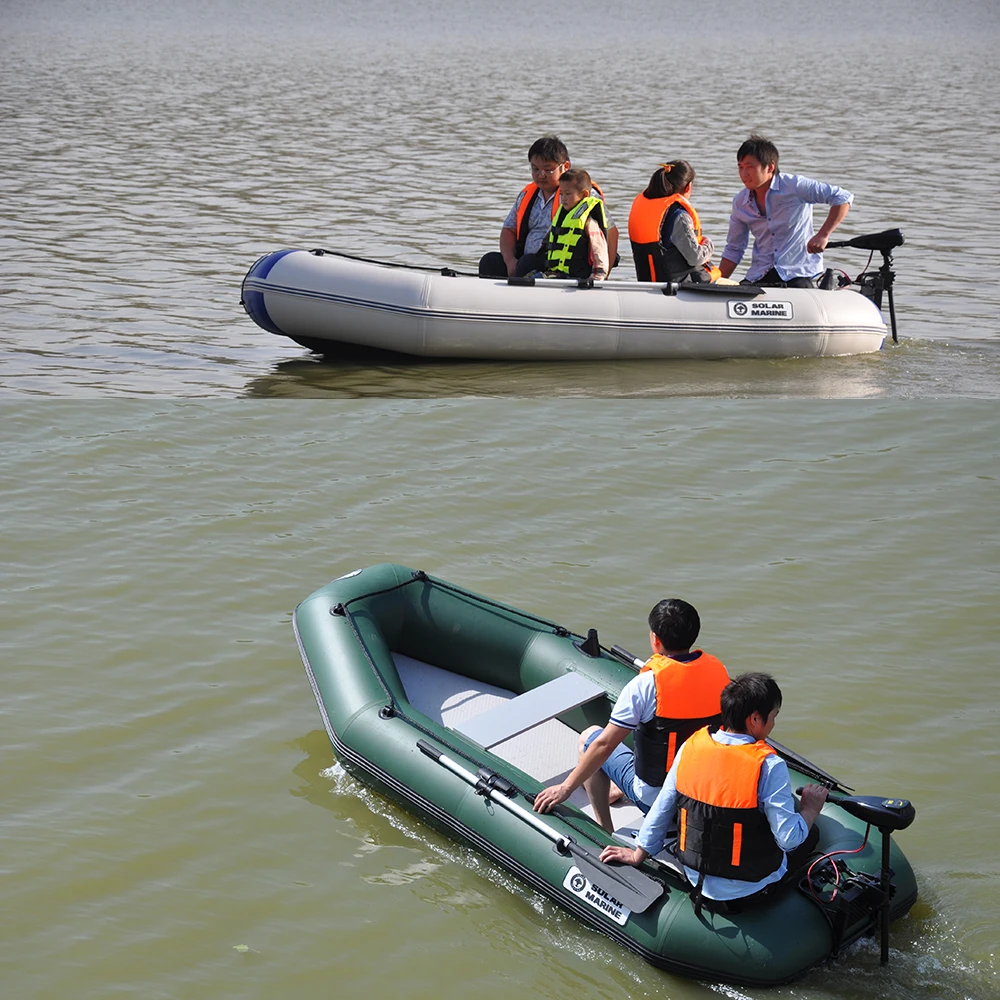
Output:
x=677 y=692
x=665 y=231
x=730 y=796
x=777 y=209
x=530 y=219
x=577 y=245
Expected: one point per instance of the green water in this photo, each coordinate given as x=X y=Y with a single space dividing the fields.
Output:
x=167 y=784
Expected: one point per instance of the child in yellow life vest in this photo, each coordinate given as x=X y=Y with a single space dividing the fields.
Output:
x=577 y=245
x=665 y=232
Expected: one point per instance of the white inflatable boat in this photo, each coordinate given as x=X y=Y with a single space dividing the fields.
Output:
x=333 y=303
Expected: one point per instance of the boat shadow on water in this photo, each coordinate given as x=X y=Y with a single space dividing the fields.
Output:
x=390 y=375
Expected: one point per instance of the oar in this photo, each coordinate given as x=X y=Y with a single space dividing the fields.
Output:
x=808 y=768
x=626 y=884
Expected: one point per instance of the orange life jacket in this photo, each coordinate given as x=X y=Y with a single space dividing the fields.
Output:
x=722 y=830
x=531 y=192
x=656 y=258
x=687 y=698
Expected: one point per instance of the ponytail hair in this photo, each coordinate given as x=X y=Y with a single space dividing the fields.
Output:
x=670 y=178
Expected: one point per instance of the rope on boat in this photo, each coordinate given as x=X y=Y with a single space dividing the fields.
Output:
x=447 y=272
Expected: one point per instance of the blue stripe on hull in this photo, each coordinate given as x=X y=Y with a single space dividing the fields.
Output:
x=253 y=301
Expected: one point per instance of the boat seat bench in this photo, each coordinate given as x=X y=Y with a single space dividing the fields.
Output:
x=530 y=709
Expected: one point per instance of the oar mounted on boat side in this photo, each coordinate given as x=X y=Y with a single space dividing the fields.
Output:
x=629 y=886
x=872 y=282
x=886 y=815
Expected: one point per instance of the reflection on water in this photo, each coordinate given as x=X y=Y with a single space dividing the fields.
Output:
x=911 y=369
x=151 y=158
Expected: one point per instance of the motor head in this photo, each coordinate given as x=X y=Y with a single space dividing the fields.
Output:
x=886 y=814
x=883 y=241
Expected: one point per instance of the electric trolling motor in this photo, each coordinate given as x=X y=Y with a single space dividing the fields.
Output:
x=872 y=282
x=885 y=815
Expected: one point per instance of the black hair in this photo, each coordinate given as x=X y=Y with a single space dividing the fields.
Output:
x=762 y=150
x=550 y=148
x=747 y=694
x=675 y=623
x=670 y=178
x=578 y=180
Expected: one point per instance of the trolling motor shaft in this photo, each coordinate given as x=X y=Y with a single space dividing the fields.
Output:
x=885 y=815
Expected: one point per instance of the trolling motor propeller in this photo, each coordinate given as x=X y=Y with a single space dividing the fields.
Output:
x=886 y=815
x=884 y=242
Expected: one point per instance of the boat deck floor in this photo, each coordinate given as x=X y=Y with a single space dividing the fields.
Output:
x=548 y=751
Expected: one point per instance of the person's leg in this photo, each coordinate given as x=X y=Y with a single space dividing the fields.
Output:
x=531 y=262
x=801 y=283
x=618 y=770
x=492 y=265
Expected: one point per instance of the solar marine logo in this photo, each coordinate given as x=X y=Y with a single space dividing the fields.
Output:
x=759 y=309
x=596 y=897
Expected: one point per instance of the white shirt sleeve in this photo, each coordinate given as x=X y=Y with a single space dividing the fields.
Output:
x=636 y=703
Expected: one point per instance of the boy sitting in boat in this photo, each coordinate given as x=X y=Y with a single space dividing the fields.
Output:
x=530 y=219
x=677 y=692
x=730 y=796
x=577 y=245
x=777 y=209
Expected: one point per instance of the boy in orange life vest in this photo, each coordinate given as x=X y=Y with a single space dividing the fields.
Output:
x=530 y=219
x=676 y=693
x=663 y=226
x=576 y=246
x=733 y=776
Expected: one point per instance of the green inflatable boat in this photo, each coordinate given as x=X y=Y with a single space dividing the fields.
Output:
x=462 y=708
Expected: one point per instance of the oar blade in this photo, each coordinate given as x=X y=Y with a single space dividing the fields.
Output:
x=625 y=885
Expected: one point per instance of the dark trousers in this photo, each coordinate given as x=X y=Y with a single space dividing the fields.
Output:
x=492 y=265
x=774 y=280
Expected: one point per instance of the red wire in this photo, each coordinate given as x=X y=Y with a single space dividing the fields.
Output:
x=823 y=857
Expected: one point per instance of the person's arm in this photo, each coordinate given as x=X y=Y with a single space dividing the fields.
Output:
x=612 y=246
x=508 y=240
x=596 y=754
x=736 y=243
x=789 y=826
x=653 y=832
x=834 y=218
x=599 y=251
x=726 y=266
x=812 y=799
x=682 y=236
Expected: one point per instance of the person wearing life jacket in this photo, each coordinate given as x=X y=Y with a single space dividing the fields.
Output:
x=577 y=245
x=678 y=690
x=530 y=219
x=665 y=231
x=729 y=796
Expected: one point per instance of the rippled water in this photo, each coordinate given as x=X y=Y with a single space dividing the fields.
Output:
x=174 y=822
x=166 y=783
x=153 y=153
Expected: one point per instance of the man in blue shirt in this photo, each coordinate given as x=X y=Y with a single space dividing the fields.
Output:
x=750 y=705
x=777 y=209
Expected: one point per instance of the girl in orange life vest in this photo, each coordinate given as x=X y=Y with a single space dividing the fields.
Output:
x=667 y=243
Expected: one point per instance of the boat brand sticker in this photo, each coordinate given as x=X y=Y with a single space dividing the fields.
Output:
x=581 y=886
x=765 y=309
